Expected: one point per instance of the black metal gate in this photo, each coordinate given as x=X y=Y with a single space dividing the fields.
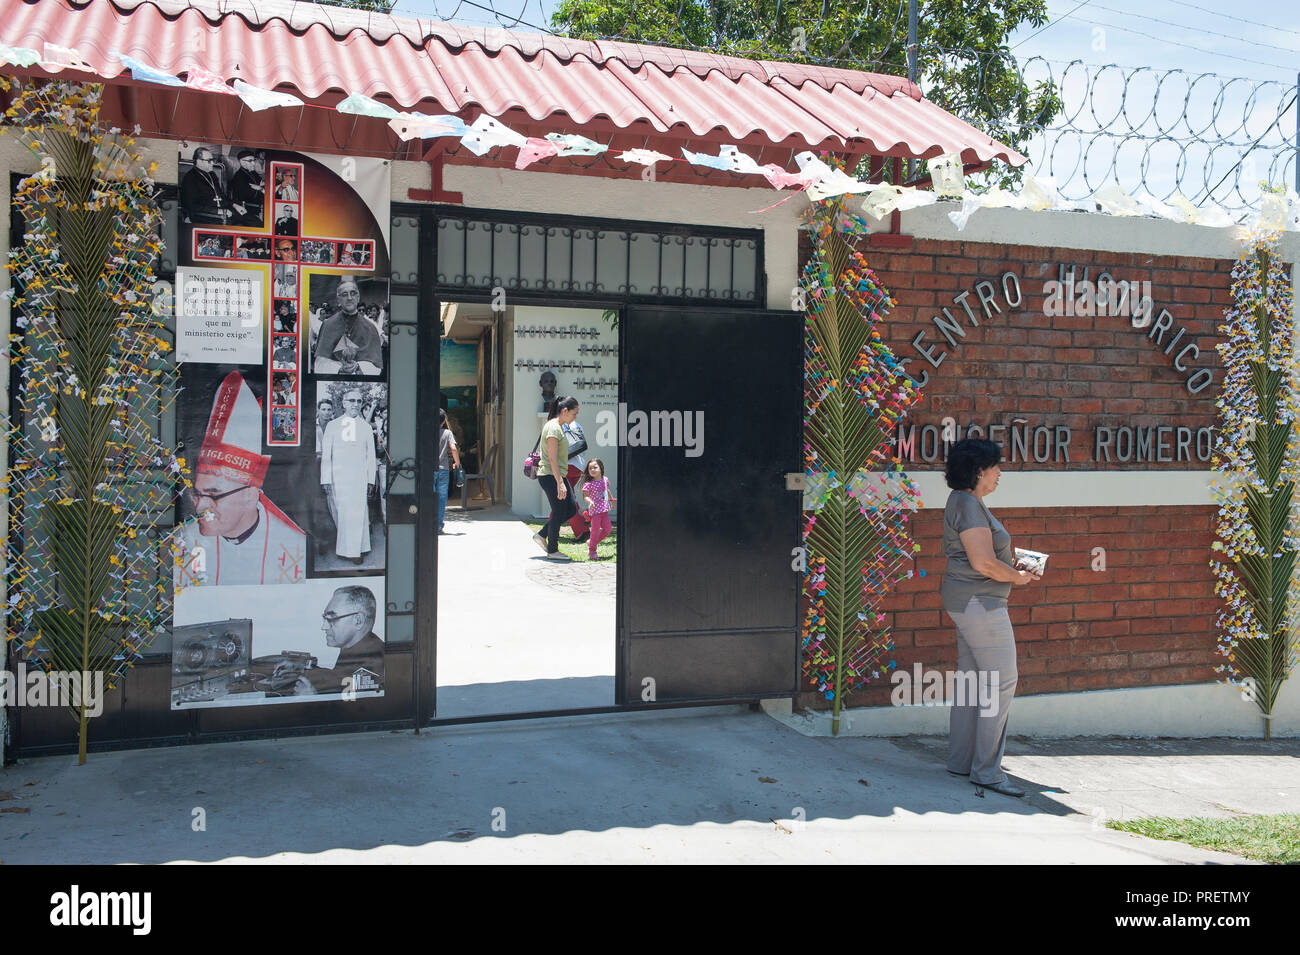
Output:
x=708 y=606
x=708 y=602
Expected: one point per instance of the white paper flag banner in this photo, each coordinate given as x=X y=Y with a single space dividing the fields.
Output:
x=946 y=173
x=200 y=79
x=738 y=161
x=359 y=105
x=1154 y=207
x=969 y=203
x=913 y=198
x=997 y=198
x=1040 y=194
x=703 y=159
x=19 y=56
x=1278 y=211
x=825 y=182
x=64 y=58
x=533 y=150
x=575 y=145
x=422 y=126
x=258 y=99
x=811 y=168
x=780 y=178
x=1215 y=218
x=887 y=199
x=487 y=133
x=1117 y=202
x=1189 y=211
x=145 y=73
x=646 y=157
x=838 y=183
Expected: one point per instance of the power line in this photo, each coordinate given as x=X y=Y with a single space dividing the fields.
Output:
x=1050 y=25
x=1251 y=148
x=1228 y=16
x=1198 y=49
x=1218 y=33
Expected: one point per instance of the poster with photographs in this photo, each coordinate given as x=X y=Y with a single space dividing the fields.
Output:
x=351 y=444
x=248 y=646
x=315 y=228
x=311 y=233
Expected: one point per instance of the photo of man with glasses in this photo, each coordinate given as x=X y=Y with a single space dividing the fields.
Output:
x=249 y=646
x=238 y=535
x=204 y=199
x=348 y=622
x=347 y=477
x=348 y=343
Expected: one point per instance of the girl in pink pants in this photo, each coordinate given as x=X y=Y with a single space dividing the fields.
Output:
x=596 y=490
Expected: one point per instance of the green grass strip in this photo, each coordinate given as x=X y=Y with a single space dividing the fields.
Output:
x=1272 y=839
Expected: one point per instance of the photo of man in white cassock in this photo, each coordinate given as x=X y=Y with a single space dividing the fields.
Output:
x=240 y=536
x=347 y=476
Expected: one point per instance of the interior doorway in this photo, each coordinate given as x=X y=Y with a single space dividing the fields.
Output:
x=518 y=632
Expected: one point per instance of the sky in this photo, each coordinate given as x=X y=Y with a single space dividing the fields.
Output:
x=1250 y=51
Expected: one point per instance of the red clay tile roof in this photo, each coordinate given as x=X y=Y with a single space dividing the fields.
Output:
x=621 y=92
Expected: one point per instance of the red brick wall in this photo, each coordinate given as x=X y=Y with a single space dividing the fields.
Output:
x=1148 y=618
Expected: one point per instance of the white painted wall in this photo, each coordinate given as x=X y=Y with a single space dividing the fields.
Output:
x=1191 y=711
x=528 y=500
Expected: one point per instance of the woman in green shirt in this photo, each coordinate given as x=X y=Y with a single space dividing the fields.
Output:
x=551 y=473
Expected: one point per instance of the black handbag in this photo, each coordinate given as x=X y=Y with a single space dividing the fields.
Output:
x=579 y=446
x=458 y=476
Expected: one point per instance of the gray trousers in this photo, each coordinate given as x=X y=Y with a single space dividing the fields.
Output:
x=977 y=735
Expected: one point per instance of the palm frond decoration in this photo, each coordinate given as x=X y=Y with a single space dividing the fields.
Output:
x=855 y=542
x=88 y=479
x=1257 y=454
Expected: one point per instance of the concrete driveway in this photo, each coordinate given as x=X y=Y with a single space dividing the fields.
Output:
x=697 y=785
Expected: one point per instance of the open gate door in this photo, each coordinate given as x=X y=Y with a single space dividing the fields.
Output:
x=709 y=599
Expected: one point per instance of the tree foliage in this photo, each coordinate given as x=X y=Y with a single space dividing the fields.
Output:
x=374 y=6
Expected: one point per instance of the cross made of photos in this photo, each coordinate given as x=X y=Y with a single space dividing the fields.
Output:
x=285 y=249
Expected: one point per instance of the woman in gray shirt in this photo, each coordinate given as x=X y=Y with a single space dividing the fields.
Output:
x=976 y=584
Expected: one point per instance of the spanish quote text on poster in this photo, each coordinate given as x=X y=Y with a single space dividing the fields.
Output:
x=219 y=316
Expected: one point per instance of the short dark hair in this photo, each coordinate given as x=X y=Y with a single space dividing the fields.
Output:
x=966 y=459
x=363 y=598
x=247 y=154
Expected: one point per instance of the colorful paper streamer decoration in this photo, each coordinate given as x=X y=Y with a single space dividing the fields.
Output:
x=1257 y=460
x=87 y=482
x=855 y=539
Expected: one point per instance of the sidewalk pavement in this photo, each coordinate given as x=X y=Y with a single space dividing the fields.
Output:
x=695 y=785
x=516 y=632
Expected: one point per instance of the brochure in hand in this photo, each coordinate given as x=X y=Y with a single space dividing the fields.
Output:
x=1031 y=560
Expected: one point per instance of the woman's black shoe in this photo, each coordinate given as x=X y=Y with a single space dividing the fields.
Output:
x=1007 y=788
x=586 y=536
